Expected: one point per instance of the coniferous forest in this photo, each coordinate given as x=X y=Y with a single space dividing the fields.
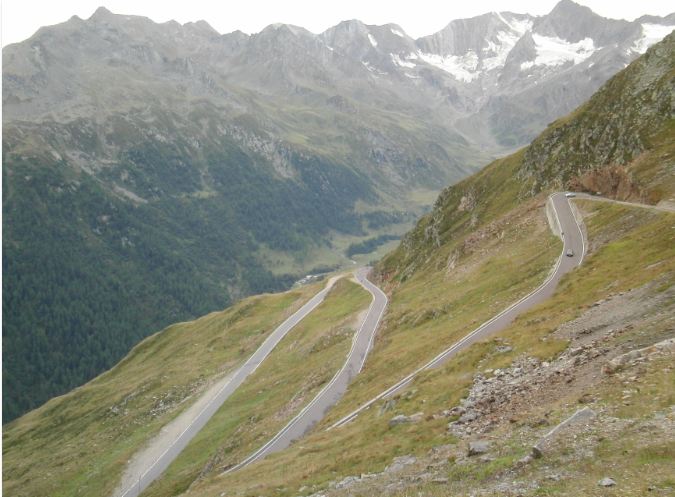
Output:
x=87 y=273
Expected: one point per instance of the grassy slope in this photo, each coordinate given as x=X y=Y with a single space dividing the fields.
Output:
x=80 y=442
x=303 y=362
x=451 y=304
x=625 y=235
x=438 y=305
x=637 y=247
x=656 y=167
x=459 y=266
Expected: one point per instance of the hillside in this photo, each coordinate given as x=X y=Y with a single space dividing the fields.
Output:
x=618 y=144
x=82 y=440
x=604 y=341
x=485 y=244
x=120 y=218
x=153 y=172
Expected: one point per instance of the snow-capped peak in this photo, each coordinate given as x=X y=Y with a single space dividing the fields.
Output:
x=463 y=68
x=496 y=52
x=552 y=51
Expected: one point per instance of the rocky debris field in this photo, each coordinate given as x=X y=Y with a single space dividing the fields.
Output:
x=591 y=420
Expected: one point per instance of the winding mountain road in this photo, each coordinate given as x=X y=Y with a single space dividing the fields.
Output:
x=147 y=475
x=661 y=206
x=335 y=389
x=572 y=255
x=573 y=243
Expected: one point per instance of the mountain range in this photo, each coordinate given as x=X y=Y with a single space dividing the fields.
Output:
x=573 y=397
x=155 y=172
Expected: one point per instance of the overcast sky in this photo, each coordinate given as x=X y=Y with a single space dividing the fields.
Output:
x=21 y=18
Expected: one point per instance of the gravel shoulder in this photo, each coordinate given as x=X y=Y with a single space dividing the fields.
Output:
x=145 y=459
x=161 y=442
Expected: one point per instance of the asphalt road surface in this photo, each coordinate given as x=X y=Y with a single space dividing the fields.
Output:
x=335 y=389
x=167 y=457
x=573 y=243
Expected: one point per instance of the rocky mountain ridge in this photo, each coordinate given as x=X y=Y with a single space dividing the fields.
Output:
x=466 y=67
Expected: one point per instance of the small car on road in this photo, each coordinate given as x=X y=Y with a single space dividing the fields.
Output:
x=570 y=253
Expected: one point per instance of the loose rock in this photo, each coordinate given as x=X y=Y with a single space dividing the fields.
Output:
x=581 y=416
x=399 y=420
x=478 y=447
x=399 y=463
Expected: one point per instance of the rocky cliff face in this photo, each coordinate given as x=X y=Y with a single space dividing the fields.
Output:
x=614 y=127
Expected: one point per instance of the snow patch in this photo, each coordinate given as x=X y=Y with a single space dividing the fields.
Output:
x=552 y=51
x=496 y=51
x=651 y=34
x=372 y=69
x=372 y=40
x=520 y=27
x=499 y=51
x=462 y=67
x=400 y=62
x=398 y=33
